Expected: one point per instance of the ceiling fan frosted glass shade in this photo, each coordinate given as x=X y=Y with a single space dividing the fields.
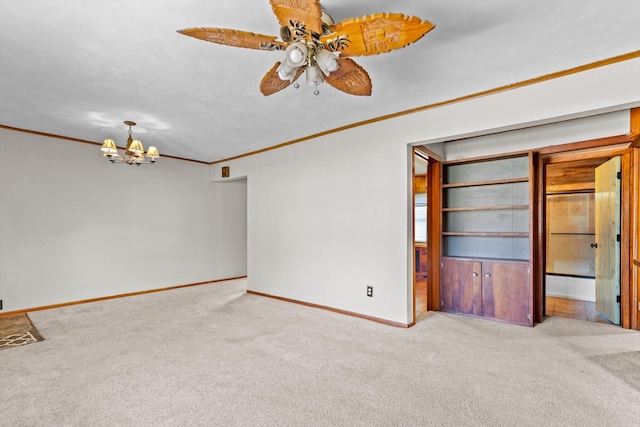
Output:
x=314 y=76
x=327 y=61
x=296 y=54
x=286 y=70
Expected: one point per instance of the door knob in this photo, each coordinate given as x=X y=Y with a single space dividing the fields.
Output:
x=594 y=245
x=487 y=275
x=474 y=274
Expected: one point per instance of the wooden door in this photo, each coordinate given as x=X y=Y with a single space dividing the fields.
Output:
x=506 y=291
x=607 y=216
x=461 y=290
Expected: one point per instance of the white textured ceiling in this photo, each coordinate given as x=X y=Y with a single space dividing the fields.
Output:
x=79 y=68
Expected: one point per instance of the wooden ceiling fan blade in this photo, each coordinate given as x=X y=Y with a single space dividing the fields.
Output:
x=235 y=38
x=299 y=16
x=350 y=78
x=271 y=82
x=375 y=34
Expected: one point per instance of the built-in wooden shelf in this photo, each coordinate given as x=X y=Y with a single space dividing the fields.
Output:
x=481 y=183
x=484 y=234
x=484 y=208
x=486 y=238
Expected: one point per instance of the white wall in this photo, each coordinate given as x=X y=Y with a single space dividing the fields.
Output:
x=74 y=227
x=329 y=216
x=311 y=215
x=580 y=288
x=563 y=132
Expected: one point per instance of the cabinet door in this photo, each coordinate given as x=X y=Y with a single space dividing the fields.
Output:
x=506 y=291
x=461 y=290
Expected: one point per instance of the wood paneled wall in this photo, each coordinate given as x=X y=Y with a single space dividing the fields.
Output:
x=419 y=184
x=572 y=176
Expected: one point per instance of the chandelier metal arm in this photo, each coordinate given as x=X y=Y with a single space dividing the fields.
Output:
x=121 y=160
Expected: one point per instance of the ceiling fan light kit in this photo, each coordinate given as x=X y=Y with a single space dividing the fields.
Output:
x=134 y=151
x=313 y=44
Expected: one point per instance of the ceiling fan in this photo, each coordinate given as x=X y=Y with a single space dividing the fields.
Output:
x=312 y=42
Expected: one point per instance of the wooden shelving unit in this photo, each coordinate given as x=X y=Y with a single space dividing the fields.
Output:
x=486 y=238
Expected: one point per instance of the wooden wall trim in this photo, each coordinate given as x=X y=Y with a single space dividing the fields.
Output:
x=626 y=213
x=414 y=184
x=635 y=238
x=634 y=128
x=535 y=80
x=84 y=141
x=540 y=244
x=130 y=294
x=634 y=134
x=588 y=156
x=434 y=232
x=335 y=310
x=546 y=77
x=479 y=159
x=427 y=154
x=585 y=145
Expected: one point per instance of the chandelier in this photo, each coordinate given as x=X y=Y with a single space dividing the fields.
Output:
x=310 y=52
x=134 y=151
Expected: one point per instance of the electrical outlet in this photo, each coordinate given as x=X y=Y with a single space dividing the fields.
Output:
x=369 y=291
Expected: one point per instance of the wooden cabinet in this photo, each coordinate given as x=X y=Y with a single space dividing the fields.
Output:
x=486 y=238
x=462 y=286
x=495 y=289
x=506 y=291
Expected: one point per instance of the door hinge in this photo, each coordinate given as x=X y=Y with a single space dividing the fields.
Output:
x=618 y=298
x=618 y=237
x=619 y=175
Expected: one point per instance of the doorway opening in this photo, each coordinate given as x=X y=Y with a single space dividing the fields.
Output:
x=426 y=201
x=582 y=257
x=420 y=234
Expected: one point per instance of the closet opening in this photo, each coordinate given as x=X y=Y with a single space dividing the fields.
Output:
x=582 y=231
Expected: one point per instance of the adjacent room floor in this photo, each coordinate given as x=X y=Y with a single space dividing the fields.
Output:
x=573 y=309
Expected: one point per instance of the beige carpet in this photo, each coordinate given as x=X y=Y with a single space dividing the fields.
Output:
x=213 y=355
x=625 y=366
x=16 y=331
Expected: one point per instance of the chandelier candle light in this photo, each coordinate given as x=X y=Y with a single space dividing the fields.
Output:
x=134 y=151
